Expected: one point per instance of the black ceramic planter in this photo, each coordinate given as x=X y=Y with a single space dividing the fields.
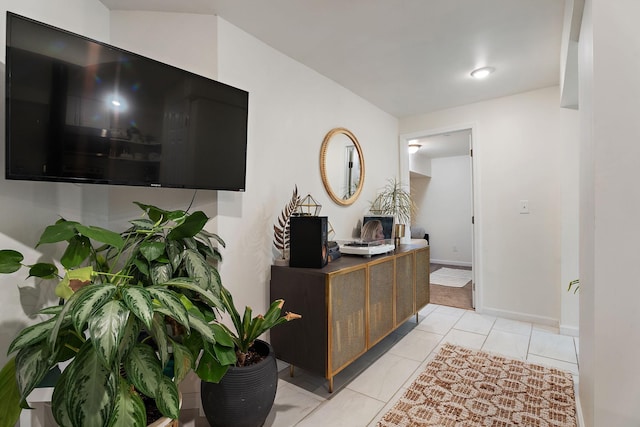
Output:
x=245 y=395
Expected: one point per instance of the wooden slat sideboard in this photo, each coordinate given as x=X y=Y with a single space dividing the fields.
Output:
x=347 y=307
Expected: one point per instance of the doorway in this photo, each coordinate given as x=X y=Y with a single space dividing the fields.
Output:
x=441 y=181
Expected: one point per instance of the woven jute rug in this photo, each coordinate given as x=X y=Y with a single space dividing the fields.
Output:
x=463 y=387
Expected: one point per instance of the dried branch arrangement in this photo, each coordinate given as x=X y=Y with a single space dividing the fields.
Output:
x=281 y=230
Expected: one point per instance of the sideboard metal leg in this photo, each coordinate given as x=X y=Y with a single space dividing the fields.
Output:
x=291 y=371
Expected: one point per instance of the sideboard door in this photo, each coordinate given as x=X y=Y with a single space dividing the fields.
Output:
x=422 y=277
x=404 y=287
x=380 y=301
x=347 y=299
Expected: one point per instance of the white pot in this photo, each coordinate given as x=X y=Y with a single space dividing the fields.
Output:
x=164 y=422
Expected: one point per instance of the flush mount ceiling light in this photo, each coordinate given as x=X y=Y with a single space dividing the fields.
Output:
x=481 y=73
x=413 y=148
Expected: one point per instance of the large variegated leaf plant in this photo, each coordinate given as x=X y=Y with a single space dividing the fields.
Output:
x=130 y=304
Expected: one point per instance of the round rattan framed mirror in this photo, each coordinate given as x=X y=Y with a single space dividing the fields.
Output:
x=342 y=166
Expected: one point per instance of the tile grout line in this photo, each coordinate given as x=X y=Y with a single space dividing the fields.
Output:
x=529 y=343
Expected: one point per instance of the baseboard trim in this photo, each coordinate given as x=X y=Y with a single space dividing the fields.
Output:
x=579 y=415
x=447 y=262
x=569 y=330
x=541 y=320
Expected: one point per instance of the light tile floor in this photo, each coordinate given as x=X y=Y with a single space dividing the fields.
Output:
x=368 y=394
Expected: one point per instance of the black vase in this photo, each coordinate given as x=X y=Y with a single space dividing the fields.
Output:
x=245 y=395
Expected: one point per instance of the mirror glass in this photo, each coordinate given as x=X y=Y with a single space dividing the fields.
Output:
x=342 y=166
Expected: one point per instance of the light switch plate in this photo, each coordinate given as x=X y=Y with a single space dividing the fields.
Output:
x=524 y=206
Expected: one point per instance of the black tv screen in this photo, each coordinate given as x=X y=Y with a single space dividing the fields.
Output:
x=78 y=110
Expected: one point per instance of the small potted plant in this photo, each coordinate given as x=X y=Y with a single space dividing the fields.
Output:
x=136 y=311
x=245 y=394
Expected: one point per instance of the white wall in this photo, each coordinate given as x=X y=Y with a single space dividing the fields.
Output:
x=587 y=343
x=291 y=108
x=445 y=210
x=569 y=213
x=419 y=164
x=194 y=50
x=609 y=232
x=569 y=53
x=26 y=207
x=87 y=17
x=516 y=157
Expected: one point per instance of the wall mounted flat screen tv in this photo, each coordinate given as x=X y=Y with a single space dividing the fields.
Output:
x=78 y=110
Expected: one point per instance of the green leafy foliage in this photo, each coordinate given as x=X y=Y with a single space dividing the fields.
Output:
x=168 y=303
x=10 y=261
x=86 y=302
x=143 y=369
x=167 y=398
x=248 y=328
x=129 y=408
x=130 y=302
x=209 y=369
x=101 y=235
x=138 y=300
x=31 y=335
x=90 y=389
x=395 y=200
x=189 y=227
x=61 y=231
x=43 y=270
x=9 y=395
x=106 y=328
x=31 y=367
x=183 y=361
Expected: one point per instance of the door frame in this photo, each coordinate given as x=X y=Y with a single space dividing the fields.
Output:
x=476 y=237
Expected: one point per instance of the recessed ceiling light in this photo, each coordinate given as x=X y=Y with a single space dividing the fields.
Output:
x=481 y=73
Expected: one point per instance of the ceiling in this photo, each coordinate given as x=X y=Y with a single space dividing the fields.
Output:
x=448 y=144
x=406 y=57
